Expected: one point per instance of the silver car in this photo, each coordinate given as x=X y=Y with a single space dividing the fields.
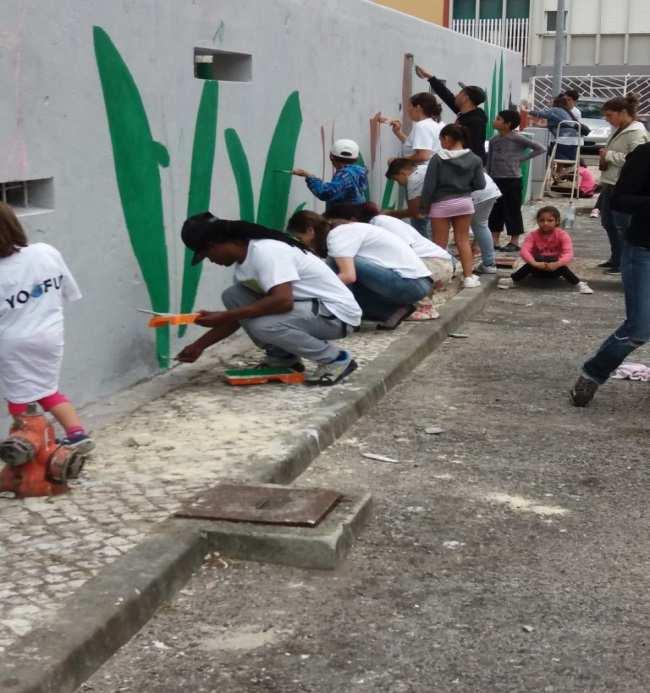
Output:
x=592 y=117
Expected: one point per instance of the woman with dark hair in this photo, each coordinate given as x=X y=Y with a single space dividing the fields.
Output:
x=628 y=134
x=423 y=140
x=566 y=134
x=454 y=173
x=288 y=301
x=385 y=275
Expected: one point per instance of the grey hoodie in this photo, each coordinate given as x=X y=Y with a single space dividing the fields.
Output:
x=451 y=173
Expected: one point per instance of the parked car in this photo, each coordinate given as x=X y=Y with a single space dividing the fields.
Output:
x=592 y=117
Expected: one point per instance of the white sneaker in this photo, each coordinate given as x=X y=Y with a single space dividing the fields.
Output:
x=482 y=269
x=595 y=213
x=505 y=283
x=584 y=288
x=472 y=282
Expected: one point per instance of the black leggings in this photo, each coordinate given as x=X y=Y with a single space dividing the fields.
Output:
x=507 y=209
x=527 y=270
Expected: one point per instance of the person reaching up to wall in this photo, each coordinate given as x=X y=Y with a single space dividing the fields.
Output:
x=507 y=151
x=385 y=275
x=560 y=124
x=424 y=139
x=466 y=106
x=453 y=175
x=350 y=179
x=289 y=302
x=34 y=283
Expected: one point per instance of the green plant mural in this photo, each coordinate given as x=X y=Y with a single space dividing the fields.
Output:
x=198 y=199
x=274 y=192
x=387 y=197
x=137 y=157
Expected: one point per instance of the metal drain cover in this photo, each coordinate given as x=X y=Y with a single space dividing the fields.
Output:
x=274 y=505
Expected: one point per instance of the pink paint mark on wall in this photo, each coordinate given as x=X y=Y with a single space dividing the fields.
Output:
x=407 y=91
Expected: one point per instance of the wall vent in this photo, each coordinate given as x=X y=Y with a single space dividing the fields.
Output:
x=27 y=197
x=224 y=66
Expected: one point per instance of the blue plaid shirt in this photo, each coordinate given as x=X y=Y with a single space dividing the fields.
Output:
x=348 y=185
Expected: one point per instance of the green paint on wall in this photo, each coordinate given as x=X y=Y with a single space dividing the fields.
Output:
x=501 y=102
x=242 y=172
x=137 y=158
x=198 y=199
x=299 y=208
x=388 y=195
x=274 y=193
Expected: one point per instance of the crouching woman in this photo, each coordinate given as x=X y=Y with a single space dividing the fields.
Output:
x=287 y=300
x=385 y=275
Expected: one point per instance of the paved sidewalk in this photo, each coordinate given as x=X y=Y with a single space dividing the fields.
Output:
x=508 y=553
x=146 y=461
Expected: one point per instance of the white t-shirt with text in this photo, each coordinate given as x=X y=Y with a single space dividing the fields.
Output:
x=269 y=263
x=384 y=249
x=422 y=246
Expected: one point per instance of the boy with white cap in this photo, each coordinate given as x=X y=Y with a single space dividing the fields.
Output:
x=350 y=181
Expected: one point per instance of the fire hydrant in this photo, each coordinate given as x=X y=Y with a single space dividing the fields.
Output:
x=36 y=464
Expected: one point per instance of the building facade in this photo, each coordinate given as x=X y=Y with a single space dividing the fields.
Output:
x=120 y=119
x=607 y=43
x=436 y=11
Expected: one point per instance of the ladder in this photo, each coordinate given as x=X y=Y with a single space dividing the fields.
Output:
x=553 y=162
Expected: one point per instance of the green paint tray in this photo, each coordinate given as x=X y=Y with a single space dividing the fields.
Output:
x=260 y=376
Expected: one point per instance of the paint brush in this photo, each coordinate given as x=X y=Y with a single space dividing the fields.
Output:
x=288 y=171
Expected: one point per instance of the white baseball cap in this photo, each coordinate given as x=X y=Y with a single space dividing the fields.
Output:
x=345 y=149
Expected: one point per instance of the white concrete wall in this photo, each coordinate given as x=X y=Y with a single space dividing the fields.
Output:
x=344 y=57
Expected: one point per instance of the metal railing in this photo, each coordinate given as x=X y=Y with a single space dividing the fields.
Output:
x=507 y=33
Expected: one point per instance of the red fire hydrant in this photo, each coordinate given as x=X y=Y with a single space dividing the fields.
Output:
x=36 y=464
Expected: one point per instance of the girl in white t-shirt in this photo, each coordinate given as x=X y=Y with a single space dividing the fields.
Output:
x=385 y=275
x=424 y=139
x=34 y=283
x=289 y=302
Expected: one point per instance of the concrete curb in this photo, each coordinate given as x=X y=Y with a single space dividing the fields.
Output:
x=111 y=607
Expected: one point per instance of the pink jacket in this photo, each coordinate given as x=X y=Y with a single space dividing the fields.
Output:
x=557 y=244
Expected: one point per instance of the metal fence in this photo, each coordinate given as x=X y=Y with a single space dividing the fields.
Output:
x=507 y=33
x=594 y=86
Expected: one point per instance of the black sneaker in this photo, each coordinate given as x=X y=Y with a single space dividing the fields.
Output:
x=583 y=391
x=606 y=265
x=511 y=248
x=81 y=443
x=613 y=270
x=396 y=318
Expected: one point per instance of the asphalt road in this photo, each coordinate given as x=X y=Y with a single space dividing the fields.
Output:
x=508 y=553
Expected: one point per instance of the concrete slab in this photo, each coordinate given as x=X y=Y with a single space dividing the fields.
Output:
x=320 y=548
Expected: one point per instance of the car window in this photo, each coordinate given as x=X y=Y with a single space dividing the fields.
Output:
x=591 y=109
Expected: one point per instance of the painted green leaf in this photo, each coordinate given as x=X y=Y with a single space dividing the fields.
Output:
x=388 y=194
x=274 y=193
x=299 y=208
x=242 y=172
x=500 y=86
x=137 y=158
x=198 y=200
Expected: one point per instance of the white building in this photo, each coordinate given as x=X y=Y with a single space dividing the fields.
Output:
x=607 y=43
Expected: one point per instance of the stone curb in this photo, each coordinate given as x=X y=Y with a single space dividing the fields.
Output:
x=111 y=607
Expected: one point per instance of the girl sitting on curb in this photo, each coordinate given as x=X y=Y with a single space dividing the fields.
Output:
x=547 y=252
x=385 y=275
x=453 y=174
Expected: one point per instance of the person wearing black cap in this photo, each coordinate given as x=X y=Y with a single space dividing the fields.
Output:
x=466 y=105
x=288 y=300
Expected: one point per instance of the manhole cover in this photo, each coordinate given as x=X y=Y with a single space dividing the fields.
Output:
x=274 y=505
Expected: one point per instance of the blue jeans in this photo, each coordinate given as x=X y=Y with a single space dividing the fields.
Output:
x=381 y=291
x=635 y=331
x=482 y=233
x=614 y=223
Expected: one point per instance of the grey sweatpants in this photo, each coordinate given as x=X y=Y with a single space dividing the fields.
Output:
x=299 y=333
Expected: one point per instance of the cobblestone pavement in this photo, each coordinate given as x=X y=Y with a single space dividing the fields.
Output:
x=144 y=464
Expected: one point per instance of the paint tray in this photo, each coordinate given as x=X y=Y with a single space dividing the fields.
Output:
x=163 y=319
x=260 y=376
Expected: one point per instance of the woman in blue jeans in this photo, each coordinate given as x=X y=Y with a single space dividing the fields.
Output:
x=631 y=196
x=385 y=275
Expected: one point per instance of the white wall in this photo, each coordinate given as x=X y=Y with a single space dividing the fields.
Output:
x=344 y=57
